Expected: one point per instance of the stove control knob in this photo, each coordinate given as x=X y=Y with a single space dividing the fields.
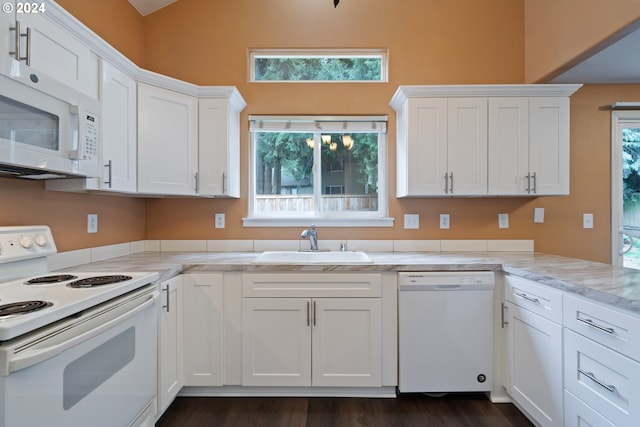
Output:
x=25 y=242
x=41 y=240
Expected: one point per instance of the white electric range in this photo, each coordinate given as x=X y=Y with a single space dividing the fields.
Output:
x=90 y=339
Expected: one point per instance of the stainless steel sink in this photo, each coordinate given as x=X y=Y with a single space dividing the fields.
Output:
x=312 y=257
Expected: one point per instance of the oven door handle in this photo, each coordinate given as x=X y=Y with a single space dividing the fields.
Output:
x=32 y=356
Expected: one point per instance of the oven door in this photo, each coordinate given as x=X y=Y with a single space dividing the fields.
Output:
x=98 y=369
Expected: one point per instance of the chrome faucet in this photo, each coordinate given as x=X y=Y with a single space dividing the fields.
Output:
x=312 y=236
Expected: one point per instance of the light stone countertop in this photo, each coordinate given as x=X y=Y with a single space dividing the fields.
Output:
x=601 y=282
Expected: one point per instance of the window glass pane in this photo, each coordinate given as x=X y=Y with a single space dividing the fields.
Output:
x=318 y=68
x=349 y=172
x=283 y=172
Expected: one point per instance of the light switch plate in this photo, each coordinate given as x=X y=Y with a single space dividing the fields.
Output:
x=587 y=220
x=219 y=220
x=411 y=221
x=92 y=223
x=538 y=215
x=503 y=220
x=445 y=222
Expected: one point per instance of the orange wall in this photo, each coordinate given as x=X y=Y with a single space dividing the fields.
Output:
x=558 y=32
x=25 y=202
x=116 y=21
x=435 y=42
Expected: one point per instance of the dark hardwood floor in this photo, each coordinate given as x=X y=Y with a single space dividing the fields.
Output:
x=456 y=410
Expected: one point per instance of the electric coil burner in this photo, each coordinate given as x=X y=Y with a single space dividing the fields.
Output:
x=50 y=279
x=89 y=282
x=23 y=307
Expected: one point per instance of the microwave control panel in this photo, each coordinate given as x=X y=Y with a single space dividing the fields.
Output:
x=89 y=143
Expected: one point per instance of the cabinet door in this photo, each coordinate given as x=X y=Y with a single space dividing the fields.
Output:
x=167 y=141
x=219 y=149
x=508 y=146
x=276 y=342
x=170 y=377
x=347 y=342
x=534 y=365
x=57 y=53
x=549 y=144
x=424 y=157
x=467 y=146
x=119 y=130
x=203 y=329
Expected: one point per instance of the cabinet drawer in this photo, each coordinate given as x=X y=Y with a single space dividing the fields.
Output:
x=540 y=299
x=311 y=285
x=605 y=380
x=578 y=414
x=608 y=326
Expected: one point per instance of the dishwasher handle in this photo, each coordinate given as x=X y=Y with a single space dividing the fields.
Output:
x=445 y=288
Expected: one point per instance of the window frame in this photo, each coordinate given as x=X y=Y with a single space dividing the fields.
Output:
x=252 y=54
x=319 y=125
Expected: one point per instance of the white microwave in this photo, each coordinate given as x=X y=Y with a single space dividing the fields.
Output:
x=47 y=130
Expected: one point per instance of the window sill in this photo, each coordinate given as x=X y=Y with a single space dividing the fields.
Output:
x=320 y=222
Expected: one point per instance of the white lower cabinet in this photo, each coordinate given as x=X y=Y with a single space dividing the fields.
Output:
x=601 y=366
x=297 y=339
x=169 y=342
x=203 y=296
x=312 y=342
x=533 y=374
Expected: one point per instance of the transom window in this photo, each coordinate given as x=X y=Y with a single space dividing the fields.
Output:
x=324 y=169
x=309 y=65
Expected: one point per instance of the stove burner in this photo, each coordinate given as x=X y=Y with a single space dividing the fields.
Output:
x=50 y=279
x=98 y=280
x=22 y=307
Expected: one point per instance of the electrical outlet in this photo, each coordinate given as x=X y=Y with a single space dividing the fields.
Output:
x=503 y=220
x=538 y=215
x=92 y=223
x=445 y=222
x=411 y=221
x=219 y=220
x=587 y=220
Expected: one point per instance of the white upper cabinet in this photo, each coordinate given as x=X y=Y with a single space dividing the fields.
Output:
x=529 y=146
x=167 y=141
x=482 y=140
x=219 y=146
x=119 y=131
x=47 y=47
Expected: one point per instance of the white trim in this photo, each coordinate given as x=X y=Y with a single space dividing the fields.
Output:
x=453 y=91
x=618 y=118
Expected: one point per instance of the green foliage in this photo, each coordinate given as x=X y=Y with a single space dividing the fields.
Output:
x=631 y=164
x=317 y=69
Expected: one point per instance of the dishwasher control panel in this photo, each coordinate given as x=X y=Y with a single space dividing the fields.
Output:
x=451 y=279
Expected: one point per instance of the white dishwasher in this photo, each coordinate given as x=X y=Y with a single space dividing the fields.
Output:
x=445 y=331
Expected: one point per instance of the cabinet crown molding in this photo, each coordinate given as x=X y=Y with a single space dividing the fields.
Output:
x=456 y=91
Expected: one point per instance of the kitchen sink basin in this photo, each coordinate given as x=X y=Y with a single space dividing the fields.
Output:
x=312 y=257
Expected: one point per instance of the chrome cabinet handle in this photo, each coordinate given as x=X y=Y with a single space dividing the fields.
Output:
x=308 y=315
x=109 y=175
x=527 y=297
x=593 y=324
x=196 y=178
x=451 y=178
x=314 y=313
x=166 y=307
x=535 y=183
x=503 y=307
x=593 y=378
x=28 y=57
x=446 y=183
x=224 y=183
x=528 y=183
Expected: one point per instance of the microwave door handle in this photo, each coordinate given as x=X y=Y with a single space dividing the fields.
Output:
x=32 y=357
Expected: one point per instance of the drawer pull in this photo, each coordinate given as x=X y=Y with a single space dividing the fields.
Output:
x=527 y=297
x=595 y=325
x=593 y=378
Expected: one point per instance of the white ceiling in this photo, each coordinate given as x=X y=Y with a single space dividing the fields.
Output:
x=146 y=7
x=619 y=62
